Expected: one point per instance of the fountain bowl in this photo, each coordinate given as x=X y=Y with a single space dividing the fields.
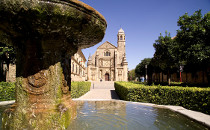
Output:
x=70 y=21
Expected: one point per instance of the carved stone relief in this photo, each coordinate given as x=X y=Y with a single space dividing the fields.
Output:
x=36 y=84
x=106 y=63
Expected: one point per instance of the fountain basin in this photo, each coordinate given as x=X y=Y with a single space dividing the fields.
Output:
x=70 y=21
x=117 y=115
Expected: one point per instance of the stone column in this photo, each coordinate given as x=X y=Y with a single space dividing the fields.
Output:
x=43 y=88
x=125 y=69
x=125 y=72
x=97 y=67
x=116 y=71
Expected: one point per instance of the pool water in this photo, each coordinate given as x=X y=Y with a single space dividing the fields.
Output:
x=120 y=115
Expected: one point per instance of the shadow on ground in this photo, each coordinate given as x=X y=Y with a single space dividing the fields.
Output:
x=114 y=94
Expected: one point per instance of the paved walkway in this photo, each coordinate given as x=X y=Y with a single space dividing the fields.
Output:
x=101 y=90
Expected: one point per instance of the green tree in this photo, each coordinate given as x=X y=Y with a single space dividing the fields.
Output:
x=193 y=39
x=140 y=68
x=131 y=75
x=7 y=53
x=165 y=56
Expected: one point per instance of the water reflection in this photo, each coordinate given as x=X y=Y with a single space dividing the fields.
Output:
x=167 y=119
x=117 y=115
x=96 y=115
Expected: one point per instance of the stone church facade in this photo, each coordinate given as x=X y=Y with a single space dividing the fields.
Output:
x=109 y=63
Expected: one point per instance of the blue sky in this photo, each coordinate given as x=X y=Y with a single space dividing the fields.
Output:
x=142 y=21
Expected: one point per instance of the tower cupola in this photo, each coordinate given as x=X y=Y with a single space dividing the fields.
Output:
x=121 y=35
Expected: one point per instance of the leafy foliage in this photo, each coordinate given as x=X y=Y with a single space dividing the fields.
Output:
x=140 y=68
x=79 y=88
x=191 y=48
x=193 y=38
x=164 y=55
x=189 y=97
x=131 y=75
x=7 y=91
x=7 y=53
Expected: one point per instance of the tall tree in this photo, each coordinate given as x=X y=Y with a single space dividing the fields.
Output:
x=193 y=39
x=165 y=56
x=140 y=68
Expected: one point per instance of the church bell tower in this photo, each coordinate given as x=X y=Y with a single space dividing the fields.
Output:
x=121 y=43
x=121 y=40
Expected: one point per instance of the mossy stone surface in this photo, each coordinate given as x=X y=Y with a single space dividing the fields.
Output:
x=72 y=22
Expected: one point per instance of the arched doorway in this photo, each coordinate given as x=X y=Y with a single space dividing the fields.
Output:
x=106 y=77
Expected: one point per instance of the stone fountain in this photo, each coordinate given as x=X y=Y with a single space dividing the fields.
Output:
x=46 y=33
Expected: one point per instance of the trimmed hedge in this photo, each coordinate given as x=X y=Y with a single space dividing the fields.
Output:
x=7 y=91
x=193 y=98
x=79 y=88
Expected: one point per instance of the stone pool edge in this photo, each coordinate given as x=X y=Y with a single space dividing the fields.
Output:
x=194 y=115
x=2 y=103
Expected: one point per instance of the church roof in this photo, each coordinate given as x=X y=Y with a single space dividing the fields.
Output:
x=80 y=53
x=107 y=45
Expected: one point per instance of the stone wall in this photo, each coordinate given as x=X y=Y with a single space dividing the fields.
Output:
x=75 y=77
x=199 y=77
x=8 y=73
x=11 y=73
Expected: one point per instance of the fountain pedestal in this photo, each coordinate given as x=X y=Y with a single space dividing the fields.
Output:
x=46 y=34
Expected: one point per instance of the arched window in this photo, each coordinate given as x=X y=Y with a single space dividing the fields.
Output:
x=73 y=67
x=107 y=53
x=121 y=38
x=79 y=71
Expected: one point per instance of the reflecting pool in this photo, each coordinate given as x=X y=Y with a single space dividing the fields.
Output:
x=120 y=115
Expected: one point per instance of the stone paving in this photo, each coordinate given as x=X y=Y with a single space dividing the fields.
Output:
x=101 y=90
